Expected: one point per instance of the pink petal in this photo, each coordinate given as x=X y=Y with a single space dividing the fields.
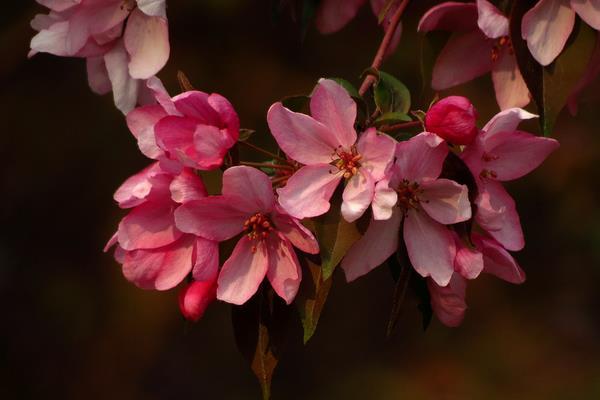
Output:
x=125 y=88
x=331 y=105
x=357 y=195
x=468 y=262
x=195 y=298
x=154 y=8
x=51 y=40
x=161 y=95
x=507 y=120
x=284 y=271
x=301 y=137
x=378 y=243
x=148 y=226
x=308 y=191
x=195 y=104
x=147 y=42
x=446 y=201
x=384 y=200
x=450 y=68
x=243 y=272
x=450 y=16
x=226 y=113
x=141 y=123
x=498 y=261
x=187 y=186
x=511 y=90
x=589 y=11
x=421 y=157
x=151 y=183
x=206 y=260
x=162 y=268
x=448 y=303
x=215 y=217
x=59 y=5
x=546 y=28
x=295 y=232
x=333 y=15
x=250 y=184
x=210 y=145
x=430 y=246
x=98 y=75
x=377 y=152
x=490 y=20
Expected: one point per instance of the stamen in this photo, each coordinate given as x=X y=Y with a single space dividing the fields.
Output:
x=347 y=161
x=408 y=195
x=258 y=227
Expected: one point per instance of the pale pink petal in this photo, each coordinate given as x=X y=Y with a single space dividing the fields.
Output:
x=187 y=186
x=141 y=122
x=450 y=16
x=448 y=303
x=378 y=243
x=284 y=271
x=51 y=40
x=111 y=242
x=446 y=201
x=331 y=105
x=546 y=28
x=511 y=90
x=125 y=88
x=154 y=8
x=243 y=272
x=490 y=20
x=195 y=298
x=468 y=261
x=215 y=217
x=308 y=191
x=589 y=11
x=430 y=247
x=450 y=68
x=506 y=120
x=295 y=232
x=206 y=260
x=148 y=226
x=162 y=268
x=357 y=195
x=333 y=15
x=59 y=5
x=377 y=152
x=421 y=157
x=472 y=155
x=498 y=261
x=147 y=42
x=250 y=184
x=384 y=200
x=301 y=137
x=98 y=75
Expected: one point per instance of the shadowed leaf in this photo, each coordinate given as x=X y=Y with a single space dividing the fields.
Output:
x=391 y=95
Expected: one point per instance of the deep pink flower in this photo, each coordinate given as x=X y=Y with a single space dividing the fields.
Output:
x=326 y=143
x=195 y=298
x=154 y=253
x=248 y=205
x=194 y=128
x=413 y=194
x=453 y=119
x=481 y=44
x=502 y=153
x=123 y=41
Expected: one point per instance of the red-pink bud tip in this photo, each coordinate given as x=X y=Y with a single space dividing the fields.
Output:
x=453 y=119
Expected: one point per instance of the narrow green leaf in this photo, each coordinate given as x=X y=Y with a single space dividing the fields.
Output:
x=392 y=118
x=391 y=95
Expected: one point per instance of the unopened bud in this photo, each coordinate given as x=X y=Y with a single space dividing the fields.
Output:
x=196 y=297
x=453 y=119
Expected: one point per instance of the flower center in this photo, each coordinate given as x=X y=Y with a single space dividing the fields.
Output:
x=488 y=173
x=258 y=227
x=348 y=162
x=499 y=44
x=408 y=195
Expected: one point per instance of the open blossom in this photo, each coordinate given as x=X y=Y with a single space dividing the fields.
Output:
x=123 y=41
x=502 y=153
x=413 y=197
x=194 y=128
x=248 y=205
x=326 y=143
x=453 y=119
x=154 y=253
x=195 y=298
x=481 y=44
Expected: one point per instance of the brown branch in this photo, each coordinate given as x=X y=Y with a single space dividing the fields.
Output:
x=401 y=125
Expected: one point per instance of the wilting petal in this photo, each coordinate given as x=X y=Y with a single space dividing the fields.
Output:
x=357 y=195
x=506 y=121
x=243 y=272
x=98 y=75
x=333 y=15
x=162 y=268
x=450 y=16
x=125 y=88
x=490 y=20
x=430 y=247
x=308 y=191
x=468 y=262
x=498 y=261
x=450 y=68
x=154 y=8
x=377 y=152
x=510 y=88
x=284 y=271
x=384 y=200
x=378 y=243
x=251 y=185
x=147 y=42
x=421 y=157
x=589 y=11
x=195 y=298
x=206 y=260
x=295 y=232
x=148 y=226
x=546 y=28
x=301 y=137
x=446 y=201
x=187 y=186
x=448 y=303
x=331 y=105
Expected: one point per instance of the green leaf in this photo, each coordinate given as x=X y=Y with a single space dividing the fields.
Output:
x=392 y=118
x=259 y=327
x=296 y=103
x=352 y=91
x=391 y=95
x=312 y=294
x=551 y=86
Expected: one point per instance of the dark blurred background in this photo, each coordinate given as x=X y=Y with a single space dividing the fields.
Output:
x=73 y=328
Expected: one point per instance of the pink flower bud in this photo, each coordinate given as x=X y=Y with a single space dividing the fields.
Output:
x=196 y=297
x=453 y=119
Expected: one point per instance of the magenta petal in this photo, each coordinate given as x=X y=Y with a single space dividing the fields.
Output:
x=357 y=195
x=446 y=201
x=430 y=247
x=148 y=226
x=141 y=123
x=331 y=105
x=450 y=16
x=206 y=260
x=243 y=272
x=468 y=262
x=378 y=243
x=187 y=186
x=137 y=188
x=250 y=184
x=226 y=113
x=195 y=104
x=421 y=157
x=589 y=11
x=377 y=152
x=448 y=303
x=308 y=191
x=210 y=146
x=295 y=232
x=498 y=261
x=511 y=90
x=490 y=20
x=162 y=268
x=195 y=298
x=215 y=217
x=333 y=15
x=284 y=271
x=147 y=42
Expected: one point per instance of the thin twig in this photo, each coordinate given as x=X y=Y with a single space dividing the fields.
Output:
x=401 y=125
x=261 y=150
x=267 y=165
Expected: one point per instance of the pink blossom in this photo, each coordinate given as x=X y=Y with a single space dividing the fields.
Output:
x=327 y=144
x=154 y=253
x=194 y=128
x=195 y=298
x=453 y=119
x=123 y=41
x=448 y=302
x=414 y=197
x=502 y=153
x=481 y=37
x=248 y=205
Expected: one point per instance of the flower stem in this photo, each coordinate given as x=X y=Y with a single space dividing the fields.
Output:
x=383 y=47
x=401 y=125
x=266 y=165
x=261 y=150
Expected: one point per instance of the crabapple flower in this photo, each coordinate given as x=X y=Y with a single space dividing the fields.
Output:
x=326 y=143
x=448 y=302
x=502 y=153
x=413 y=197
x=195 y=298
x=123 y=41
x=248 y=205
x=481 y=37
x=194 y=129
x=153 y=252
x=453 y=119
